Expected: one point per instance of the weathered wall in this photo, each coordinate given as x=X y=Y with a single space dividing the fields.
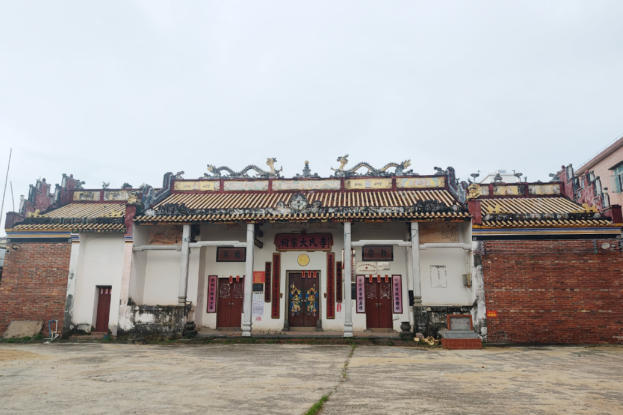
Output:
x=602 y=170
x=554 y=291
x=34 y=283
x=99 y=264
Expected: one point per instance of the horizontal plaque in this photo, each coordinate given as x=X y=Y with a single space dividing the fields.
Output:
x=439 y=232
x=90 y=196
x=419 y=182
x=258 y=286
x=368 y=184
x=366 y=268
x=303 y=241
x=460 y=322
x=225 y=254
x=202 y=185
x=330 y=184
x=377 y=253
x=245 y=185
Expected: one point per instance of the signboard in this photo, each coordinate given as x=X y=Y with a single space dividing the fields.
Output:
x=330 y=285
x=492 y=313
x=303 y=241
x=361 y=293
x=439 y=232
x=258 y=287
x=382 y=266
x=397 y=293
x=258 y=306
x=212 y=293
x=258 y=277
x=366 y=268
x=460 y=322
x=224 y=254
x=377 y=253
x=339 y=307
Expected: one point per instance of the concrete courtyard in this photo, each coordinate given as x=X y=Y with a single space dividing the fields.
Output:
x=289 y=379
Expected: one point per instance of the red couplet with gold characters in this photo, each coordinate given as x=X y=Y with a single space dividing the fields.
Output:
x=274 y=313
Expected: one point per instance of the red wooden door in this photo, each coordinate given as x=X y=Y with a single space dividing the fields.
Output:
x=230 y=299
x=378 y=305
x=103 y=309
x=303 y=301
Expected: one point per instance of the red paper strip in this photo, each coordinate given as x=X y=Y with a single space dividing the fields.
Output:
x=330 y=285
x=275 y=309
x=212 y=279
x=231 y=279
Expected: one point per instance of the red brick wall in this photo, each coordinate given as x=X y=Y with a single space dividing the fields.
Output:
x=554 y=291
x=34 y=283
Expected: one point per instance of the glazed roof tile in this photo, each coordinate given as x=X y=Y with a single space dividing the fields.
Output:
x=75 y=228
x=86 y=210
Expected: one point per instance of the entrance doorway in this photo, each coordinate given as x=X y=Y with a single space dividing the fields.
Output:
x=230 y=297
x=103 y=309
x=303 y=303
x=378 y=304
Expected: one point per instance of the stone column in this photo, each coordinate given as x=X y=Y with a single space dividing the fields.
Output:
x=415 y=264
x=348 y=308
x=71 y=283
x=183 y=289
x=248 y=282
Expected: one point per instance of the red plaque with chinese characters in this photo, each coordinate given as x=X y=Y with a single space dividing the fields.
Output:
x=330 y=285
x=212 y=294
x=377 y=253
x=275 y=283
x=225 y=254
x=303 y=241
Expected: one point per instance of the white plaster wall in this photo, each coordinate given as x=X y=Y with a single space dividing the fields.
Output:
x=162 y=277
x=139 y=263
x=100 y=263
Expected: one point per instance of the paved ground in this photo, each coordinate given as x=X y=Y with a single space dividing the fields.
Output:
x=288 y=379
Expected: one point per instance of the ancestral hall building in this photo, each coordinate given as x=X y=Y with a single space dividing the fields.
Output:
x=351 y=252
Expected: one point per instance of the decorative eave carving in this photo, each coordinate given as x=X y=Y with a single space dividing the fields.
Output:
x=521 y=217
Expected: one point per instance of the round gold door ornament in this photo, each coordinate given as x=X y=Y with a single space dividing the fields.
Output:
x=303 y=260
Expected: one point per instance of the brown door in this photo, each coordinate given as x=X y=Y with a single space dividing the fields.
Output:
x=378 y=305
x=303 y=301
x=103 y=309
x=230 y=298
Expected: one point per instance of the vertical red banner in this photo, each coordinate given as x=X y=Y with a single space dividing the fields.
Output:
x=397 y=293
x=330 y=285
x=212 y=294
x=338 y=282
x=276 y=285
x=267 y=285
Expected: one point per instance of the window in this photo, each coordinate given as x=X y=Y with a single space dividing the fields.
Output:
x=617 y=180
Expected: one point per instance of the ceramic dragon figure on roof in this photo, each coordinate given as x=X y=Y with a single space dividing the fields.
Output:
x=216 y=171
x=383 y=171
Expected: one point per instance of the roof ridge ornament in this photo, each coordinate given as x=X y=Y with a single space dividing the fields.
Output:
x=273 y=173
x=307 y=173
x=399 y=169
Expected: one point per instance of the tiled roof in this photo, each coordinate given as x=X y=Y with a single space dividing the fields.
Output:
x=538 y=212
x=529 y=205
x=75 y=228
x=355 y=205
x=87 y=210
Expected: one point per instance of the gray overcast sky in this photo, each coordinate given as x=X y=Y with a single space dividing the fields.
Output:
x=124 y=91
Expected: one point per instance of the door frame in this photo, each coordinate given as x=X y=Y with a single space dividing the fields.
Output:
x=286 y=321
x=96 y=304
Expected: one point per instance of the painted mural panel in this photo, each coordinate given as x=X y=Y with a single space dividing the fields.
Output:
x=368 y=184
x=419 y=182
x=544 y=189
x=244 y=186
x=202 y=185
x=116 y=194
x=88 y=196
x=506 y=190
x=165 y=235
x=432 y=232
x=330 y=184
